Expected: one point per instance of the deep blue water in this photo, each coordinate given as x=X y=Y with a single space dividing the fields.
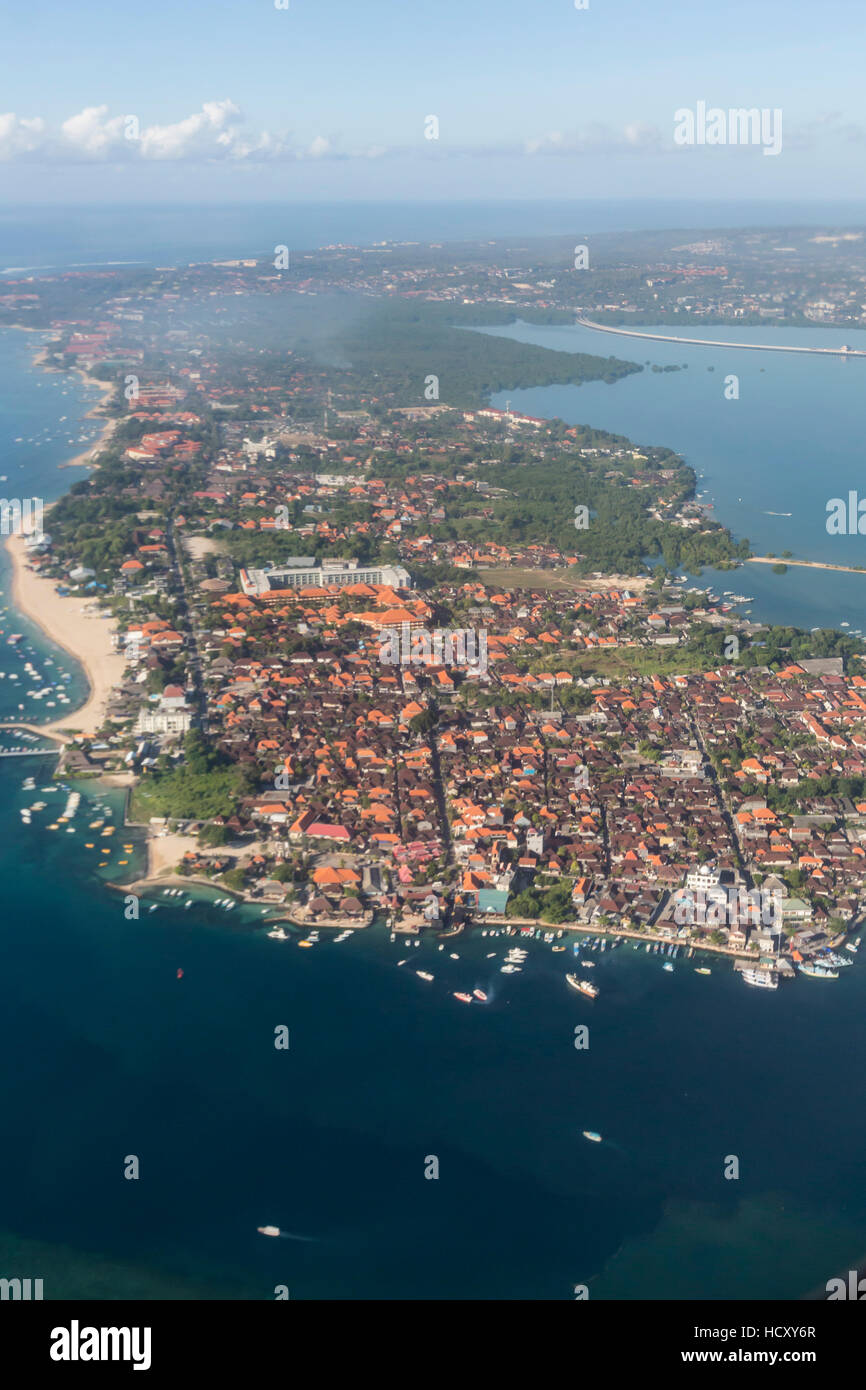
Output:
x=114 y=1056
x=107 y=1054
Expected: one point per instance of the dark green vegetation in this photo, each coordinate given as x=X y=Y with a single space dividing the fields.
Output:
x=552 y=905
x=778 y=646
x=206 y=785
x=791 y=800
x=398 y=345
x=540 y=506
x=96 y=525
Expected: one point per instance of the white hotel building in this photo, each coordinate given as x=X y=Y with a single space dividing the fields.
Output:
x=304 y=573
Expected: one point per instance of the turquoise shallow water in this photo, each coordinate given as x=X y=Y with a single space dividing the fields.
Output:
x=107 y=1054
x=792 y=441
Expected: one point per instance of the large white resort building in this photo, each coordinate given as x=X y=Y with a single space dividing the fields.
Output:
x=302 y=572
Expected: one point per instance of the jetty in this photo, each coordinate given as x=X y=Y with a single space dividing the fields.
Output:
x=13 y=726
x=39 y=729
x=28 y=752
x=843 y=351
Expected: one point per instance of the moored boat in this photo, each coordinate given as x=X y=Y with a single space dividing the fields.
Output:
x=818 y=972
x=763 y=979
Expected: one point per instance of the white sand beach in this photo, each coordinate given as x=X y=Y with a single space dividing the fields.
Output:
x=88 y=638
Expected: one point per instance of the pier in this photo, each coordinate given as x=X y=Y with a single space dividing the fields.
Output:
x=28 y=752
x=13 y=724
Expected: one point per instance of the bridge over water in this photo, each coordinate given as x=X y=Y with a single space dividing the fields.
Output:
x=843 y=351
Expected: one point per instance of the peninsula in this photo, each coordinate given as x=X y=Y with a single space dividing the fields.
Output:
x=368 y=651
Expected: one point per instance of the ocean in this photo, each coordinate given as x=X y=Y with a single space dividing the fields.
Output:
x=109 y=1055
x=170 y=234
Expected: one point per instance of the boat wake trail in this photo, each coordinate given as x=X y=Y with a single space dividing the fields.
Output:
x=285 y=1235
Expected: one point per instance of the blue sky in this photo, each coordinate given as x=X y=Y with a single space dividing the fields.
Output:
x=328 y=99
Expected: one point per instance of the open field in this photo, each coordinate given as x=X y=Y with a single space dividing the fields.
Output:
x=554 y=581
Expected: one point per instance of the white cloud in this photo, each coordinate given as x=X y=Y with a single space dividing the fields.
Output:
x=216 y=132
x=20 y=135
x=319 y=147
x=91 y=135
x=642 y=136
x=210 y=133
x=596 y=138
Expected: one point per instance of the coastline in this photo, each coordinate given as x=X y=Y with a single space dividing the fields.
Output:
x=87 y=639
x=61 y=618
x=85 y=458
